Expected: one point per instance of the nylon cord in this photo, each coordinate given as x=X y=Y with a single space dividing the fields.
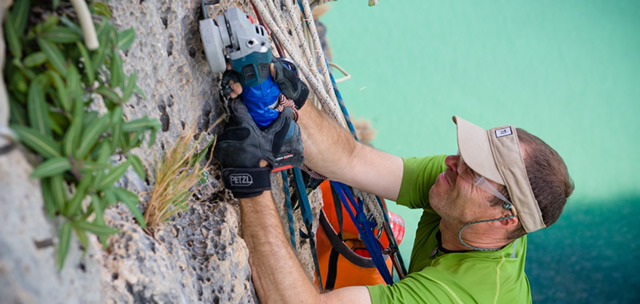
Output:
x=478 y=222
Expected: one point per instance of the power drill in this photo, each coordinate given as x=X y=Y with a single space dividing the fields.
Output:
x=248 y=50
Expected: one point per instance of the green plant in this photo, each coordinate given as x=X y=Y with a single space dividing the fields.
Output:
x=54 y=82
x=176 y=176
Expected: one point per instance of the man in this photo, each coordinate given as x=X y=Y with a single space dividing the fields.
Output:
x=477 y=206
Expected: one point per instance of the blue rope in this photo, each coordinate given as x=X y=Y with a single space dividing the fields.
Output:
x=343 y=108
x=365 y=228
x=307 y=218
x=287 y=198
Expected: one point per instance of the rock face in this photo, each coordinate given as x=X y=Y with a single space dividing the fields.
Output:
x=28 y=271
x=199 y=255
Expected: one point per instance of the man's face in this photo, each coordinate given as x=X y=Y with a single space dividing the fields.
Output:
x=454 y=195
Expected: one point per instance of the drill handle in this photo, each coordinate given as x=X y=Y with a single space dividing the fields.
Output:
x=253 y=68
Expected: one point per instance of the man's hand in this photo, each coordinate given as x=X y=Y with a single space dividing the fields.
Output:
x=285 y=74
x=242 y=145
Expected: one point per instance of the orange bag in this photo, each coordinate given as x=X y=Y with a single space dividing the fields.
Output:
x=342 y=256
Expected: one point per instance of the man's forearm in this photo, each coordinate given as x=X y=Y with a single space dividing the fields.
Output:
x=321 y=134
x=277 y=275
x=332 y=151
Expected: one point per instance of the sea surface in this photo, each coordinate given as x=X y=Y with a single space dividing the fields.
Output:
x=567 y=71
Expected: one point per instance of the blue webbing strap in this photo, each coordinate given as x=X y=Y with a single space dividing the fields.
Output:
x=287 y=199
x=307 y=217
x=364 y=229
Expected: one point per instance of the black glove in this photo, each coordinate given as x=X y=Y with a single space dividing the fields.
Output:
x=227 y=76
x=287 y=78
x=242 y=145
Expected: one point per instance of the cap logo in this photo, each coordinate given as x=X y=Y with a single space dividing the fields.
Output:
x=240 y=180
x=503 y=132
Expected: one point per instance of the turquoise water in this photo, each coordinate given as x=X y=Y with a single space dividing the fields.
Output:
x=567 y=71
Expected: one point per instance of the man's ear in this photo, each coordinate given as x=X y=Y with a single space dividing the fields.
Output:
x=506 y=223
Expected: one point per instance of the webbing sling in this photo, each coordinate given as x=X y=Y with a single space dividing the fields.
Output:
x=355 y=209
x=307 y=218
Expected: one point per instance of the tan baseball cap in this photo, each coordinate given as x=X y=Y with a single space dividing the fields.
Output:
x=495 y=154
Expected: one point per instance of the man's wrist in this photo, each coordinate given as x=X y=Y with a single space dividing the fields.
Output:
x=264 y=196
x=247 y=182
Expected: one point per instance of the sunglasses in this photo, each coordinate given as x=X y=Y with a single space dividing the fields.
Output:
x=481 y=182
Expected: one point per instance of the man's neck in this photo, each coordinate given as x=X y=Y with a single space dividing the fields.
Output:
x=449 y=237
x=476 y=235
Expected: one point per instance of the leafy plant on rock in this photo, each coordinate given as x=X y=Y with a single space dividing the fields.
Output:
x=56 y=87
